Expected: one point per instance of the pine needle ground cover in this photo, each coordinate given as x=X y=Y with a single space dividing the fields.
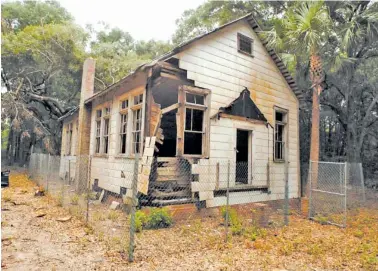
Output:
x=34 y=237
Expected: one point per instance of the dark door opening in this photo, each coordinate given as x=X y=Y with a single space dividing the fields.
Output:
x=168 y=124
x=242 y=152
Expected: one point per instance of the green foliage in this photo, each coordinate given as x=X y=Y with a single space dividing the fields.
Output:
x=75 y=199
x=155 y=218
x=4 y=134
x=140 y=220
x=17 y=15
x=159 y=218
x=234 y=220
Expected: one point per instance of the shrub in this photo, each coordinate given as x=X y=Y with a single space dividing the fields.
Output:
x=159 y=218
x=75 y=199
x=140 y=221
x=233 y=220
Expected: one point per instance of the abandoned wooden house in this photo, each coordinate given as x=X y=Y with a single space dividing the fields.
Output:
x=218 y=110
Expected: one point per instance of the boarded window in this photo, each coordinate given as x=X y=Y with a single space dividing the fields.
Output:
x=279 y=136
x=245 y=44
x=106 y=136
x=123 y=133
x=136 y=131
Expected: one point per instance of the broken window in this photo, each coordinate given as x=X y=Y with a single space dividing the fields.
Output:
x=123 y=133
x=279 y=135
x=136 y=131
x=194 y=123
x=245 y=44
x=69 y=139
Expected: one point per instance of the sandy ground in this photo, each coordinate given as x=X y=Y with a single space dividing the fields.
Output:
x=30 y=242
x=33 y=239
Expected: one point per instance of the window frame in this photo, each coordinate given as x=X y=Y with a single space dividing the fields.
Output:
x=98 y=122
x=136 y=100
x=246 y=38
x=284 y=125
x=184 y=105
x=134 y=131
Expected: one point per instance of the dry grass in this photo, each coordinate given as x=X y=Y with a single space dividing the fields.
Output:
x=199 y=244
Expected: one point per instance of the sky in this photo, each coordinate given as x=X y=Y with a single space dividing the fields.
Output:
x=143 y=19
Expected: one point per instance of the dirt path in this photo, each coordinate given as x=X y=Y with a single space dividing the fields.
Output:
x=30 y=242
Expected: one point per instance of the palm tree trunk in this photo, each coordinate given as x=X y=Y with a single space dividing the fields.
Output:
x=316 y=75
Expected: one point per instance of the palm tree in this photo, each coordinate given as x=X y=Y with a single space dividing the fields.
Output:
x=302 y=32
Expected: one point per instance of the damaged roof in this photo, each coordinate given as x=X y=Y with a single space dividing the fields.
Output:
x=252 y=22
x=243 y=106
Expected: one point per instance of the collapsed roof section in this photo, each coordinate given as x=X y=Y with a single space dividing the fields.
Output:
x=243 y=106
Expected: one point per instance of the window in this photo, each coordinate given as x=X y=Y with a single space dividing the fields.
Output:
x=98 y=131
x=194 y=120
x=138 y=99
x=195 y=98
x=136 y=131
x=69 y=139
x=124 y=104
x=245 y=45
x=123 y=133
x=279 y=135
x=106 y=136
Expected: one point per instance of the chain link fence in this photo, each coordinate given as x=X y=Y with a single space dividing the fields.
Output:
x=336 y=189
x=117 y=199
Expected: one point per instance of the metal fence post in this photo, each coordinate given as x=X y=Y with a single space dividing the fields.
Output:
x=88 y=186
x=48 y=172
x=310 y=192
x=286 y=205
x=345 y=194
x=362 y=182
x=133 y=208
x=227 y=201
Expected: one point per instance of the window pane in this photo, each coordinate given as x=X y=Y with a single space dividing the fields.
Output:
x=279 y=116
x=197 y=120
x=200 y=99
x=190 y=98
x=188 y=119
x=123 y=143
x=192 y=143
x=138 y=99
x=98 y=113
x=124 y=104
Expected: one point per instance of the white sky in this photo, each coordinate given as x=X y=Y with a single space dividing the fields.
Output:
x=143 y=19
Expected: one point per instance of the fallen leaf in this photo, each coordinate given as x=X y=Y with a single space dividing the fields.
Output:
x=64 y=219
x=40 y=214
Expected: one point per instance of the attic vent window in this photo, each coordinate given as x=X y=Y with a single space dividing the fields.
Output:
x=245 y=45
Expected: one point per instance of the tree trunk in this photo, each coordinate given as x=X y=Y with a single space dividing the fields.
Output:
x=316 y=75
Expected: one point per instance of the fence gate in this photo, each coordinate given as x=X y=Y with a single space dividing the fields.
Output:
x=328 y=192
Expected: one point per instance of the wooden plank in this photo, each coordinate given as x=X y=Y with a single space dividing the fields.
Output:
x=180 y=120
x=170 y=108
x=195 y=90
x=223 y=115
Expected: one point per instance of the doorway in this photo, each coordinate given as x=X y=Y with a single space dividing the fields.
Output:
x=242 y=156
